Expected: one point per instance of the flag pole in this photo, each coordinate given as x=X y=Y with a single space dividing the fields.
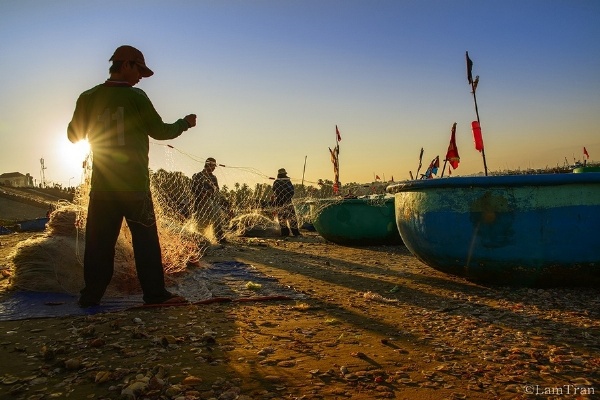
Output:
x=474 y=87
x=420 y=163
x=304 y=170
x=473 y=83
x=337 y=156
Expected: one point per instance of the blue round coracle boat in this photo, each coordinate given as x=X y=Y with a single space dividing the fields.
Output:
x=525 y=230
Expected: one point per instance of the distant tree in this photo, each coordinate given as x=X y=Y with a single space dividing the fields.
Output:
x=325 y=188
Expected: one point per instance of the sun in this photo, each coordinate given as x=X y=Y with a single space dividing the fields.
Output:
x=71 y=156
x=81 y=150
x=75 y=153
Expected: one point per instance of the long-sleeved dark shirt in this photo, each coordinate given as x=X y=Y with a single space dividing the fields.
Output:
x=117 y=120
x=283 y=191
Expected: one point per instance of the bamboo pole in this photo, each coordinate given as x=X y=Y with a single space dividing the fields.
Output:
x=473 y=83
x=304 y=170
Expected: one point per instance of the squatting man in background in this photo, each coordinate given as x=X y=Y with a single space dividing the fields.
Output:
x=283 y=192
x=117 y=120
x=209 y=207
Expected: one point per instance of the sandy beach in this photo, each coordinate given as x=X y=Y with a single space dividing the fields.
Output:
x=366 y=323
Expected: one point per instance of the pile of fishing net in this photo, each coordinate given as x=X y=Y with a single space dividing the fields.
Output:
x=52 y=261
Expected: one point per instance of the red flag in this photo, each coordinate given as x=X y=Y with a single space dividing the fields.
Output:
x=477 y=137
x=452 y=155
x=337 y=134
x=469 y=69
x=585 y=153
x=377 y=177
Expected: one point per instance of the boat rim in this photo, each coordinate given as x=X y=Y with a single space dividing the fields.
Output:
x=497 y=180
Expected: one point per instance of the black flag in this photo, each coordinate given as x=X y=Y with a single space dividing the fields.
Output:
x=469 y=69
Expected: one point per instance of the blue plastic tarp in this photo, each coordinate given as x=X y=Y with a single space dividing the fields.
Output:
x=223 y=280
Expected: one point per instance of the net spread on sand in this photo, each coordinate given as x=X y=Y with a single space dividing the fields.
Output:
x=53 y=261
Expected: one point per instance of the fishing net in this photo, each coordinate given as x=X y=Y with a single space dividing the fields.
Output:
x=187 y=229
x=243 y=206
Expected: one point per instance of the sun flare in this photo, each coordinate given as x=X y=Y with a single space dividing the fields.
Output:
x=75 y=153
x=81 y=150
x=72 y=156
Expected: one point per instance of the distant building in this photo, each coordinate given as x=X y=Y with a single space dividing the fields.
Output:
x=16 y=179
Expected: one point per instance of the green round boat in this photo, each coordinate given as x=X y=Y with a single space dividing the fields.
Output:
x=356 y=222
x=586 y=169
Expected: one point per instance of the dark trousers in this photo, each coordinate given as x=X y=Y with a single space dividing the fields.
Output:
x=286 y=213
x=104 y=219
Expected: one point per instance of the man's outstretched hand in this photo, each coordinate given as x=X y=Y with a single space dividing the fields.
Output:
x=191 y=120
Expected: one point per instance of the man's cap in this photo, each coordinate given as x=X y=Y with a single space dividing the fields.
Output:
x=282 y=171
x=130 y=53
x=210 y=161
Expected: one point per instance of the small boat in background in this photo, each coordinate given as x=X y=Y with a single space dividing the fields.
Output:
x=524 y=230
x=360 y=221
x=33 y=225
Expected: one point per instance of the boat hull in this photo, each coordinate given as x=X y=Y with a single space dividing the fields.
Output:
x=526 y=230
x=33 y=225
x=356 y=222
